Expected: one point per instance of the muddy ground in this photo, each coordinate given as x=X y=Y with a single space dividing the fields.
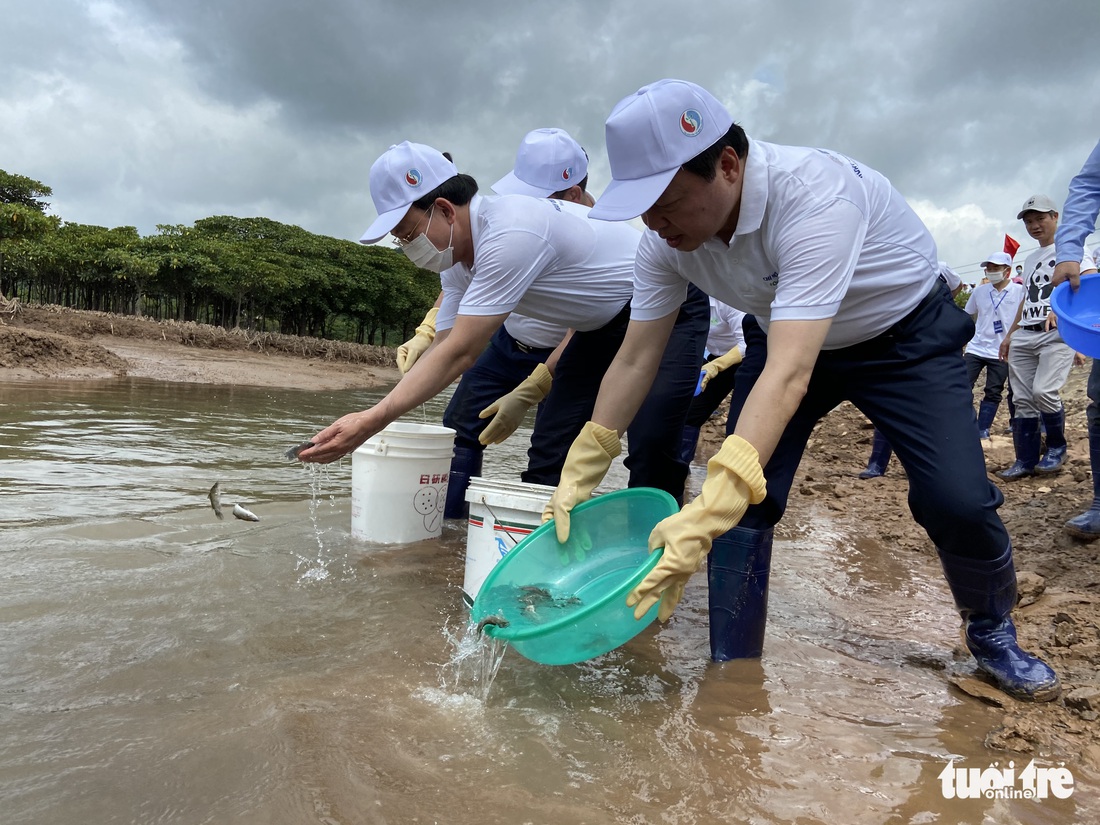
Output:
x=53 y=342
x=1058 y=615
x=1059 y=611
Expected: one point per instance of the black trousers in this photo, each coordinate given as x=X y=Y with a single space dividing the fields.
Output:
x=912 y=384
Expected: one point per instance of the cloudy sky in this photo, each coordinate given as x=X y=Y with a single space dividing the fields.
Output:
x=146 y=112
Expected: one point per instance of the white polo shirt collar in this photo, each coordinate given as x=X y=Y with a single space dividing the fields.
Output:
x=475 y=228
x=754 y=197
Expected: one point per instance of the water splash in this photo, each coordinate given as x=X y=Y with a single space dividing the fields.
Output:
x=324 y=563
x=474 y=663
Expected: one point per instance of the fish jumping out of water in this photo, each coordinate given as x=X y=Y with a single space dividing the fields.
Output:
x=243 y=514
x=293 y=451
x=215 y=497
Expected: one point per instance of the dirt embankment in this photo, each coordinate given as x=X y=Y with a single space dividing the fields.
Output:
x=54 y=342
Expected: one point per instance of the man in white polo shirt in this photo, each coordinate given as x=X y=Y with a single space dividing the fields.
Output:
x=542 y=258
x=993 y=307
x=841 y=276
x=515 y=372
x=549 y=158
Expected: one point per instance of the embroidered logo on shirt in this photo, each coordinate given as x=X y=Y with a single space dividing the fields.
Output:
x=691 y=122
x=836 y=157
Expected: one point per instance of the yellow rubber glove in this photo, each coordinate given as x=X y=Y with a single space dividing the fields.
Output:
x=722 y=362
x=585 y=466
x=508 y=410
x=412 y=349
x=734 y=481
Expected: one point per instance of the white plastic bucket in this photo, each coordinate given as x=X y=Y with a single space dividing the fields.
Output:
x=399 y=483
x=502 y=514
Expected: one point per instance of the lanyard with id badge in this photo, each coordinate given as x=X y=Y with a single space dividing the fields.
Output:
x=998 y=325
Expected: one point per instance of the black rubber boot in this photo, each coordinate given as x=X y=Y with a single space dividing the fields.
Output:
x=1055 y=456
x=985 y=593
x=880 y=457
x=737 y=574
x=1025 y=436
x=465 y=464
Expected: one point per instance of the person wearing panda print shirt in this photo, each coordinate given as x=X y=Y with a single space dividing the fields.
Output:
x=1039 y=360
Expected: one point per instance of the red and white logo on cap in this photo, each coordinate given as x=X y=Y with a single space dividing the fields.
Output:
x=691 y=122
x=413 y=177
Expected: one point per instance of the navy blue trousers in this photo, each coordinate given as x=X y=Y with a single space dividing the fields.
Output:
x=996 y=375
x=1093 y=410
x=912 y=383
x=497 y=371
x=653 y=437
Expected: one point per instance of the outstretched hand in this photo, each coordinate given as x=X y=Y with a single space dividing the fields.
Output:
x=340 y=438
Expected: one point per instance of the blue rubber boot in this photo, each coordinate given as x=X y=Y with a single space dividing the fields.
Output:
x=737 y=573
x=465 y=464
x=985 y=593
x=1055 y=456
x=880 y=457
x=987 y=411
x=1025 y=436
x=1011 y=414
x=1087 y=525
x=688 y=442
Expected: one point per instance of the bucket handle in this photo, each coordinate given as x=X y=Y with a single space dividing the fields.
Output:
x=497 y=520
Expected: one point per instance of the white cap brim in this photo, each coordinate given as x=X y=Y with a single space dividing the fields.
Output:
x=623 y=200
x=511 y=185
x=384 y=223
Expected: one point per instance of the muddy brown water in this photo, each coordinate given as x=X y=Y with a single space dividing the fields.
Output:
x=160 y=666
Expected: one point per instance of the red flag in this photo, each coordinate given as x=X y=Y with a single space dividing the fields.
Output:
x=1011 y=246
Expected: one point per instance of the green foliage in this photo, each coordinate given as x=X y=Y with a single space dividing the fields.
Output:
x=963 y=297
x=17 y=189
x=22 y=216
x=226 y=270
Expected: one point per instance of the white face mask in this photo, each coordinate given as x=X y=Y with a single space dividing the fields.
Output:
x=423 y=253
x=995 y=276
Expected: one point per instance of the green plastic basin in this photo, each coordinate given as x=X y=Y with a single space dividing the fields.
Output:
x=565 y=603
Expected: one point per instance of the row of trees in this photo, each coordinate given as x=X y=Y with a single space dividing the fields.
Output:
x=233 y=272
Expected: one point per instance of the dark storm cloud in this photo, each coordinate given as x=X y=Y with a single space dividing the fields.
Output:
x=147 y=111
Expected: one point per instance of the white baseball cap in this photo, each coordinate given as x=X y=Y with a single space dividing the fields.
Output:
x=548 y=161
x=403 y=174
x=998 y=259
x=649 y=136
x=1037 y=203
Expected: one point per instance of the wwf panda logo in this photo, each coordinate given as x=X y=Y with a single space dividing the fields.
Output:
x=1039 y=288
